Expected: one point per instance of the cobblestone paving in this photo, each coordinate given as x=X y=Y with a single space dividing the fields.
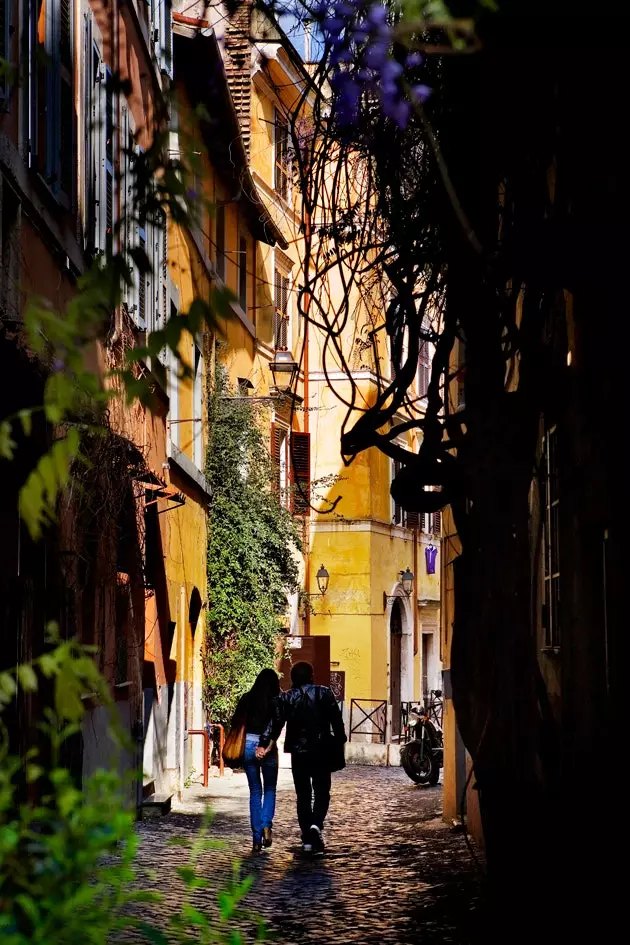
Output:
x=393 y=872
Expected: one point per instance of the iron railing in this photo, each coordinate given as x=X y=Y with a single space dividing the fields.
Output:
x=369 y=717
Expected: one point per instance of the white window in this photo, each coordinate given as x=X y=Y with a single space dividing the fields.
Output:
x=162 y=34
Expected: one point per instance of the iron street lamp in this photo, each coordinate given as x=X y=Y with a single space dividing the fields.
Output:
x=284 y=368
x=322 y=580
x=406 y=579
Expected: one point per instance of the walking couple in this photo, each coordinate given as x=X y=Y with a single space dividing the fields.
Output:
x=315 y=737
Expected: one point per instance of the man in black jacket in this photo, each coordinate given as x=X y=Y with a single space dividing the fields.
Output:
x=315 y=738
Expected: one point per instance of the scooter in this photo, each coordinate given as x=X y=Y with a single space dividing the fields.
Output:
x=423 y=756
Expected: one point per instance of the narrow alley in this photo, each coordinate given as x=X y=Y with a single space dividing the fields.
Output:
x=393 y=871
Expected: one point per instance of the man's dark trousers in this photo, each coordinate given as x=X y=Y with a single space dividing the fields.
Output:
x=312 y=787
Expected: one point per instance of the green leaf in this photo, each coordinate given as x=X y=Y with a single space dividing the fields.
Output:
x=27 y=677
x=7 y=443
x=7 y=684
x=194 y=916
x=26 y=418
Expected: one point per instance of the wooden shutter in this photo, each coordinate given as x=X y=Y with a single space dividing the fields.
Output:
x=275 y=444
x=64 y=133
x=412 y=519
x=281 y=149
x=437 y=523
x=281 y=310
x=301 y=471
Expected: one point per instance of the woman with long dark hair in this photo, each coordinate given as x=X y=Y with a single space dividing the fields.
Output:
x=256 y=707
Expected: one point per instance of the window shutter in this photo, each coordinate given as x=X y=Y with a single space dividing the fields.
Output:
x=109 y=161
x=89 y=118
x=437 y=523
x=275 y=443
x=281 y=310
x=63 y=161
x=412 y=519
x=422 y=520
x=301 y=471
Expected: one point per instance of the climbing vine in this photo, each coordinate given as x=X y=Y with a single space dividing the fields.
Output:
x=252 y=550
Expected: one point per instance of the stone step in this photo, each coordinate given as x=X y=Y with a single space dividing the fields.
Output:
x=156 y=805
x=148 y=787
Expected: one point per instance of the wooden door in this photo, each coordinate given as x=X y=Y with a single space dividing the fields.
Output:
x=395 y=665
x=313 y=650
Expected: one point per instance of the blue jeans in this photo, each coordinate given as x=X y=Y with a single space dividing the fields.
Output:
x=262 y=793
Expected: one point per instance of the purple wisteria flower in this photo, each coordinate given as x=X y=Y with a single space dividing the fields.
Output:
x=359 y=38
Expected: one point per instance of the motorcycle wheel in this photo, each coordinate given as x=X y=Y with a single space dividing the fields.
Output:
x=421 y=770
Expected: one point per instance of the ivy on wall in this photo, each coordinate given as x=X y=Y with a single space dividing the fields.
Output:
x=252 y=550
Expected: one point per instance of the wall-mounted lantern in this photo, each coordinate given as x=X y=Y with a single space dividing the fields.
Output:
x=284 y=369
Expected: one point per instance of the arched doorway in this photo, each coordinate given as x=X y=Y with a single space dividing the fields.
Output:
x=395 y=664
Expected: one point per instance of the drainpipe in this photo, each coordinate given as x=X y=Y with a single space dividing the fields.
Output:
x=307 y=520
x=415 y=594
x=181 y=656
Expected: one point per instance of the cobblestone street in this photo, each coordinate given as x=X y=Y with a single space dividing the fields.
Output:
x=393 y=872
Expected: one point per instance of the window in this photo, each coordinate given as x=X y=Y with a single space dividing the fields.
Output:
x=142 y=277
x=280 y=461
x=162 y=34
x=281 y=310
x=242 y=273
x=399 y=516
x=281 y=156
x=220 y=240
x=49 y=92
x=301 y=466
x=551 y=617
x=173 y=391
x=424 y=363
x=197 y=408
x=99 y=148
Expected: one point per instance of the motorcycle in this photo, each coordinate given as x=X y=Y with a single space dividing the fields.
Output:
x=423 y=756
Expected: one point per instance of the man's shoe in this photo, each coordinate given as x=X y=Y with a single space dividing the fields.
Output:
x=257 y=847
x=317 y=841
x=267 y=837
x=307 y=848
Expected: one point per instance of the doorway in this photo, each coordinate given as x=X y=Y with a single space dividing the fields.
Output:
x=395 y=631
x=427 y=657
